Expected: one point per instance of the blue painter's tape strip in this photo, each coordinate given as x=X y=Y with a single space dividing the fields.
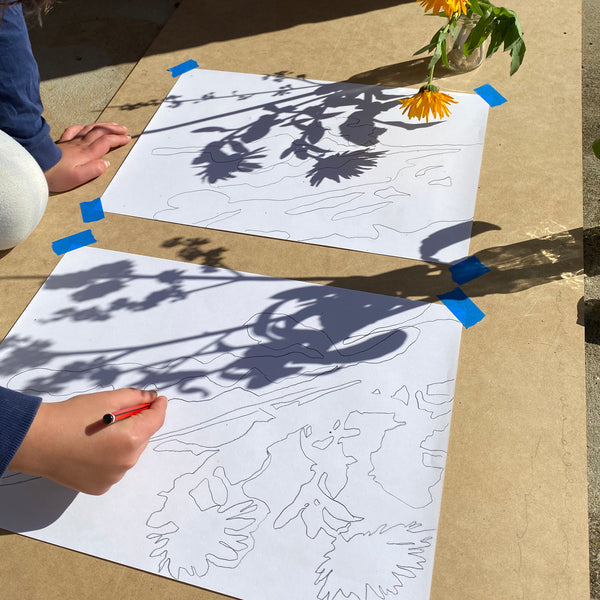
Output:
x=92 y=211
x=491 y=95
x=463 y=308
x=468 y=269
x=184 y=67
x=72 y=242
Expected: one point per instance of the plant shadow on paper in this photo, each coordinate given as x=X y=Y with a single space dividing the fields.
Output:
x=279 y=343
x=306 y=112
x=261 y=358
x=275 y=343
x=514 y=268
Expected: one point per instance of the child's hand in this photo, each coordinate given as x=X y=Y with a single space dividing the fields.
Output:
x=68 y=442
x=82 y=152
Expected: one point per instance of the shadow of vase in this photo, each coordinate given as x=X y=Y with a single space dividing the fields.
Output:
x=410 y=73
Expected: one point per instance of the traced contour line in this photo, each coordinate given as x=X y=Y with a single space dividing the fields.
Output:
x=373 y=564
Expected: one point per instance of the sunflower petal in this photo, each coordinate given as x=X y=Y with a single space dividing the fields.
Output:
x=427 y=102
x=449 y=7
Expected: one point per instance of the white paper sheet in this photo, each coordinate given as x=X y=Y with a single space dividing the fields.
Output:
x=306 y=432
x=334 y=164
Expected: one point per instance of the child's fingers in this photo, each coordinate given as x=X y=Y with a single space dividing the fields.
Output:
x=148 y=422
x=86 y=172
x=105 y=143
x=71 y=133
x=126 y=397
x=95 y=134
x=144 y=423
x=112 y=126
x=139 y=428
x=98 y=129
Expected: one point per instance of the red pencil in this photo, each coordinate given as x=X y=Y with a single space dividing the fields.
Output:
x=117 y=415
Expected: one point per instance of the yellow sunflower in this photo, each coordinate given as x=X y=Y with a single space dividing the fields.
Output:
x=427 y=101
x=448 y=6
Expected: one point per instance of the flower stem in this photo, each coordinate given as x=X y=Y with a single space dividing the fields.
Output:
x=430 y=77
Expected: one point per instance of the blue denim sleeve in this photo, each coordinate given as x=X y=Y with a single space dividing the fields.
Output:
x=20 y=103
x=17 y=412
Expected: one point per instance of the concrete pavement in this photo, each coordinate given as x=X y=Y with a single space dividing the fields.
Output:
x=86 y=51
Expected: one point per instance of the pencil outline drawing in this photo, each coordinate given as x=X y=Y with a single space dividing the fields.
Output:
x=301 y=417
x=317 y=162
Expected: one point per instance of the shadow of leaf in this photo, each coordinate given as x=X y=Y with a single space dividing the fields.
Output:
x=342 y=165
x=218 y=165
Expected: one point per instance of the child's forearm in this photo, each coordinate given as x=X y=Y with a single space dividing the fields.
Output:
x=20 y=103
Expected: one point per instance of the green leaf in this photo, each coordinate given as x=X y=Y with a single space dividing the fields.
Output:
x=596 y=148
x=427 y=48
x=439 y=39
x=501 y=25
x=453 y=28
x=510 y=15
x=511 y=36
x=436 y=57
x=444 y=53
x=476 y=7
x=496 y=40
x=435 y=40
x=479 y=34
x=517 y=54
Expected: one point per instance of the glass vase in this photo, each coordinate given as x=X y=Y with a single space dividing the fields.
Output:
x=457 y=61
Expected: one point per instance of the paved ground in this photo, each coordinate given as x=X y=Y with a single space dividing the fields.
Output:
x=87 y=49
x=591 y=205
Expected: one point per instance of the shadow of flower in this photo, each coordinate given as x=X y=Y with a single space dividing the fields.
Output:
x=342 y=165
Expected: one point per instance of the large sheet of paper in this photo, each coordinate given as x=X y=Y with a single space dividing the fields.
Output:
x=334 y=164
x=306 y=432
